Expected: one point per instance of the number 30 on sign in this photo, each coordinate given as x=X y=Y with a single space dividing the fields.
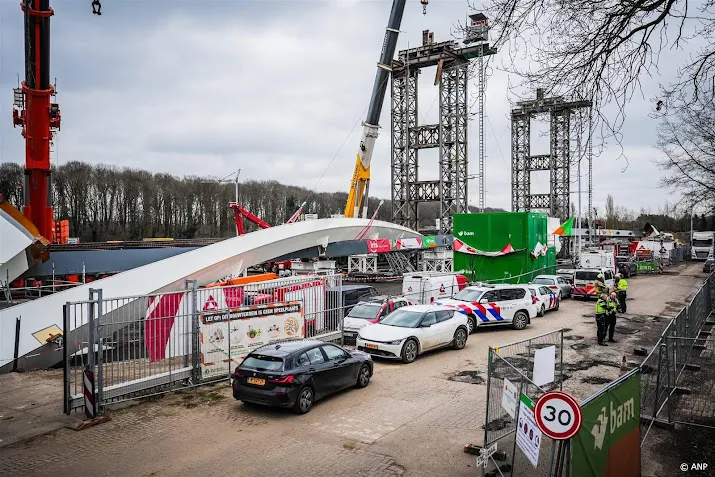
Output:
x=558 y=415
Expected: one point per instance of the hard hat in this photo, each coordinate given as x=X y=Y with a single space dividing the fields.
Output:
x=600 y=275
x=604 y=296
x=618 y=275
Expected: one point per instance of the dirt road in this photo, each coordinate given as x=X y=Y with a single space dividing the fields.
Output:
x=411 y=419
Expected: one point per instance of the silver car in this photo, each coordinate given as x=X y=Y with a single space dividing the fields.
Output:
x=556 y=283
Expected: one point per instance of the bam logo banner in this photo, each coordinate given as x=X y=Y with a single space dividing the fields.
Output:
x=608 y=444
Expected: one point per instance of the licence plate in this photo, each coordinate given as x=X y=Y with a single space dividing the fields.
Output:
x=371 y=346
x=257 y=381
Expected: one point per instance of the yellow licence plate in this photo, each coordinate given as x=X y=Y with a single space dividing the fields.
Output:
x=371 y=346
x=257 y=381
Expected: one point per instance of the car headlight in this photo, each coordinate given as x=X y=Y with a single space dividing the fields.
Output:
x=396 y=342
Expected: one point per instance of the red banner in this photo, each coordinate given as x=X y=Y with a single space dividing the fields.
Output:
x=378 y=245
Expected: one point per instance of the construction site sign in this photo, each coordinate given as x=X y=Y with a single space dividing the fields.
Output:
x=227 y=337
x=608 y=443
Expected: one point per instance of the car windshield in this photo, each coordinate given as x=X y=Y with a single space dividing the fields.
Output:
x=402 y=318
x=702 y=243
x=261 y=362
x=468 y=295
x=590 y=275
x=544 y=281
x=364 y=311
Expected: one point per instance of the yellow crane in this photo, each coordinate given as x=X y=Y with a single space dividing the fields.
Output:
x=356 y=205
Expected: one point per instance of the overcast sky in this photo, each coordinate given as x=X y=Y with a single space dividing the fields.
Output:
x=275 y=88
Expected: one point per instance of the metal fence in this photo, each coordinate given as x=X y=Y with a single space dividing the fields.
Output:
x=511 y=370
x=142 y=345
x=671 y=389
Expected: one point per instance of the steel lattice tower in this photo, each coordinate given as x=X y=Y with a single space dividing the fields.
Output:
x=558 y=162
x=449 y=135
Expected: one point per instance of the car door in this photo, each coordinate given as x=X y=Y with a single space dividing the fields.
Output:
x=445 y=326
x=427 y=331
x=548 y=296
x=489 y=297
x=321 y=371
x=343 y=370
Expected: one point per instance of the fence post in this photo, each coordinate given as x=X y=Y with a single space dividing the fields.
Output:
x=90 y=398
x=16 y=354
x=65 y=343
x=195 y=352
x=100 y=353
x=486 y=419
x=669 y=367
x=657 y=381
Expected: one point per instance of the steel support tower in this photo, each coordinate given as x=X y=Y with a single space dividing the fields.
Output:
x=449 y=135
x=558 y=162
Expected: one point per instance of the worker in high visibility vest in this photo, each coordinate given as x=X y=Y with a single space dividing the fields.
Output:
x=611 y=317
x=600 y=285
x=601 y=312
x=621 y=289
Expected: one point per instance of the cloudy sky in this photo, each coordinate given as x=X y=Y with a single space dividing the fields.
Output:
x=275 y=88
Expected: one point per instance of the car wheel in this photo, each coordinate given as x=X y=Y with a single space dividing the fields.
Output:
x=558 y=303
x=409 y=351
x=520 y=320
x=363 y=376
x=471 y=324
x=460 y=338
x=542 y=311
x=305 y=400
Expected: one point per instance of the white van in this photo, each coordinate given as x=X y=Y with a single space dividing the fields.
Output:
x=422 y=288
x=584 y=278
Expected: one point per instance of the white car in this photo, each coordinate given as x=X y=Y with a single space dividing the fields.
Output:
x=369 y=312
x=488 y=305
x=548 y=298
x=410 y=331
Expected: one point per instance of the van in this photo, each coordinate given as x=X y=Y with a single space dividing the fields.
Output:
x=597 y=259
x=422 y=288
x=584 y=278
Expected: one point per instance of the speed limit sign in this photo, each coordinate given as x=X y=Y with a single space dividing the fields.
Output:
x=558 y=415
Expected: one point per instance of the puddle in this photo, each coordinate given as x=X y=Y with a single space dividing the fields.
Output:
x=580 y=346
x=573 y=337
x=471 y=377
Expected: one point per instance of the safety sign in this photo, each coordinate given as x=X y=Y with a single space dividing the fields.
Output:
x=558 y=415
x=509 y=397
x=528 y=435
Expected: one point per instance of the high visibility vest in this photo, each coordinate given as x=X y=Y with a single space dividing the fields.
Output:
x=622 y=285
x=601 y=306
x=612 y=305
x=599 y=286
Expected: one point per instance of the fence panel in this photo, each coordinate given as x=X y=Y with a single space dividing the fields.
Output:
x=143 y=345
x=510 y=367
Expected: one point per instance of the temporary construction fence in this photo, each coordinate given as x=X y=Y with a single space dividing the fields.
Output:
x=128 y=347
x=517 y=375
x=672 y=391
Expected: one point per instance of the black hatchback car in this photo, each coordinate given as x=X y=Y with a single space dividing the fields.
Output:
x=298 y=373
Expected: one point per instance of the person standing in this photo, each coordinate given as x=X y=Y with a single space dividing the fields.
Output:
x=611 y=317
x=600 y=285
x=601 y=312
x=621 y=289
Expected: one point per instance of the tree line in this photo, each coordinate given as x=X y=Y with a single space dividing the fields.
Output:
x=109 y=203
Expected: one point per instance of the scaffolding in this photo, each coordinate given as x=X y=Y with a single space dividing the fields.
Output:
x=557 y=203
x=449 y=135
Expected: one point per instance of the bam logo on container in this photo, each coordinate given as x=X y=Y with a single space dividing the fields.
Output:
x=619 y=416
x=608 y=444
x=463 y=233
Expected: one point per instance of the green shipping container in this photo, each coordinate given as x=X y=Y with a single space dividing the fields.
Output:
x=491 y=232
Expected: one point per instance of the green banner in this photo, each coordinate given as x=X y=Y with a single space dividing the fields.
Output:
x=608 y=444
x=646 y=266
x=429 y=241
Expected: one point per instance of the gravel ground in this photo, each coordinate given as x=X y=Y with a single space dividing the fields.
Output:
x=411 y=420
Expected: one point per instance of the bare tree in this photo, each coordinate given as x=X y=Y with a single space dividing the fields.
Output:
x=687 y=141
x=600 y=49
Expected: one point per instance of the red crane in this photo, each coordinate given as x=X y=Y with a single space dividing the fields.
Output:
x=38 y=116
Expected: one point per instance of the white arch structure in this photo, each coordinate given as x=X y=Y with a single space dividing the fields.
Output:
x=206 y=265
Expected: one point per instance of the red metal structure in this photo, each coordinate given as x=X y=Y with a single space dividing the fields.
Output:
x=38 y=116
x=239 y=213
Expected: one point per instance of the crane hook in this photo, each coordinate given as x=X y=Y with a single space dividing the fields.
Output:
x=96 y=7
x=424 y=6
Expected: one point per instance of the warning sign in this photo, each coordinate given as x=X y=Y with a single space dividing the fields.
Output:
x=528 y=435
x=210 y=304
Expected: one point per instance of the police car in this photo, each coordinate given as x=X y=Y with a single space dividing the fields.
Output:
x=548 y=299
x=491 y=305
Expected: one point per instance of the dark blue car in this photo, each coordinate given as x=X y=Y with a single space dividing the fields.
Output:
x=295 y=374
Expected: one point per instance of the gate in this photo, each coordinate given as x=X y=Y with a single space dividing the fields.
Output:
x=128 y=347
x=511 y=387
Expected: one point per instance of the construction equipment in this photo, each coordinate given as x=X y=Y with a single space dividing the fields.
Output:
x=38 y=116
x=356 y=205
